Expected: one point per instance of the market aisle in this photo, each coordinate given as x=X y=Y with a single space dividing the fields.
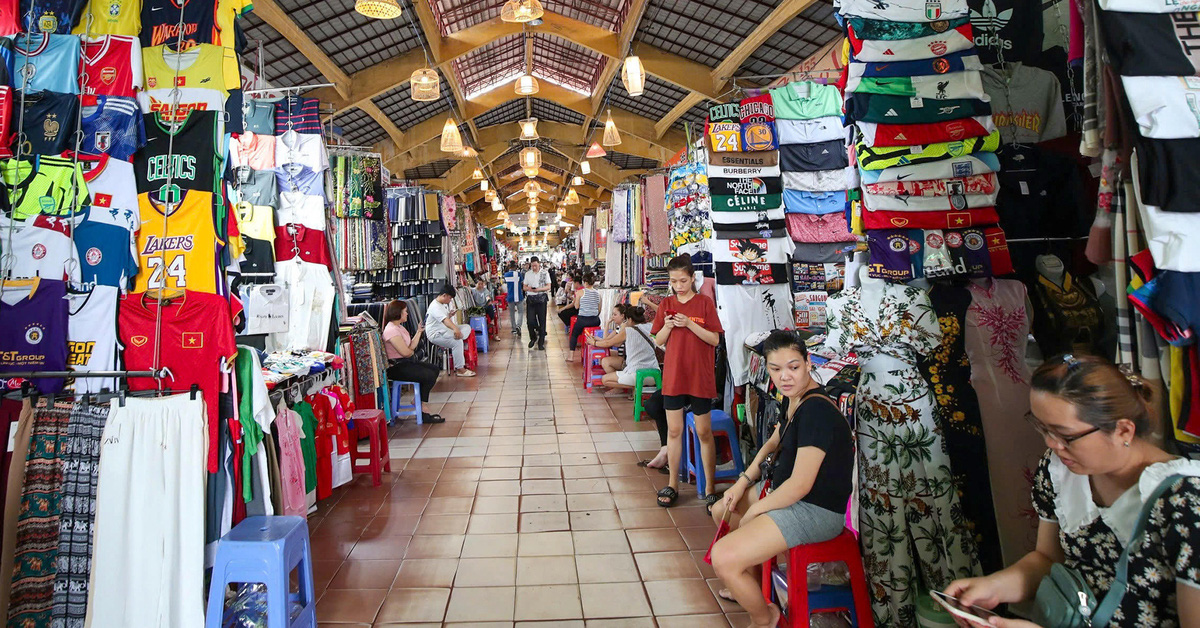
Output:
x=527 y=505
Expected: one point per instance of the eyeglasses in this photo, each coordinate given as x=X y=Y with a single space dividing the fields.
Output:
x=1060 y=439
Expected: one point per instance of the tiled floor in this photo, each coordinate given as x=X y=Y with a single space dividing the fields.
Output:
x=526 y=508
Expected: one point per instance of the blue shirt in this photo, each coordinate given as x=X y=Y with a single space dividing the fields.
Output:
x=953 y=62
x=113 y=126
x=106 y=254
x=516 y=291
x=801 y=202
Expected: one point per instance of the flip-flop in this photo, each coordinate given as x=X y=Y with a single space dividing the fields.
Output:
x=644 y=463
x=710 y=500
x=724 y=594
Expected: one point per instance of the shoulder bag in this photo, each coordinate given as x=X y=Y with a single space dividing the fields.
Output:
x=1064 y=600
x=660 y=353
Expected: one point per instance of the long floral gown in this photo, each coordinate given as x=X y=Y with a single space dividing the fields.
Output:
x=911 y=525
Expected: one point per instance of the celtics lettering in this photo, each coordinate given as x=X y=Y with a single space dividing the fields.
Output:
x=161 y=167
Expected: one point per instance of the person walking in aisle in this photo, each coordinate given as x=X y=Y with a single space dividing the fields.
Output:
x=587 y=303
x=401 y=350
x=516 y=297
x=537 y=285
x=687 y=325
x=439 y=324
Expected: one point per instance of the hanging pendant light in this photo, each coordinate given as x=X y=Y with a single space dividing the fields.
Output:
x=531 y=157
x=521 y=11
x=527 y=85
x=477 y=175
x=633 y=75
x=572 y=197
x=595 y=152
x=585 y=167
x=483 y=185
x=531 y=172
x=532 y=201
x=451 y=138
x=489 y=196
x=577 y=181
x=529 y=129
x=611 y=136
x=379 y=9
x=425 y=85
x=533 y=188
x=502 y=215
x=468 y=152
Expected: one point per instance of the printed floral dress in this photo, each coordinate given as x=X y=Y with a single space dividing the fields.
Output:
x=911 y=526
x=1093 y=537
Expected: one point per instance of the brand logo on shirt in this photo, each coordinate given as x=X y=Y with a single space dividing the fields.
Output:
x=114 y=8
x=162 y=167
x=139 y=341
x=51 y=127
x=748 y=186
x=891 y=113
x=108 y=75
x=39 y=251
x=34 y=334
x=154 y=244
x=898 y=243
x=192 y=340
x=1024 y=119
x=163 y=33
x=963 y=168
x=80 y=352
x=939 y=26
x=988 y=22
x=889 y=52
x=27 y=71
x=938 y=47
x=177 y=113
x=725 y=111
x=48 y=23
x=934 y=240
x=103 y=141
x=941 y=66
x=933 y=9
x=974 y=241
x=954 y=240
x=93 y=256
x=758 y=136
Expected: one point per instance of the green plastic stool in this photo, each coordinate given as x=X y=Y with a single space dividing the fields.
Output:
x=640 y=378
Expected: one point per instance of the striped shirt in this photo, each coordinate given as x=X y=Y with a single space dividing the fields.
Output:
x=589 y=303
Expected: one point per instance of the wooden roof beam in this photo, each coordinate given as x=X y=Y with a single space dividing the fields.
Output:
x=777 y=19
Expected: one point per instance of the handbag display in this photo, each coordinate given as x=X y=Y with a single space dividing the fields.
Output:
x=1064 y=599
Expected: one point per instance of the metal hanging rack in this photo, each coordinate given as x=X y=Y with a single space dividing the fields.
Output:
x=295 y=88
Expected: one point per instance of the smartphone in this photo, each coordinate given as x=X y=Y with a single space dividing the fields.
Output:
x=973 y=614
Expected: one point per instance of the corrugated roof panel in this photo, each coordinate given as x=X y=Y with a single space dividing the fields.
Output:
x=358 y=128
x=432 y=170
x=795 y=42
x=705 y=33
x=491 y=65
x=656 y=100
x=696 y=116
x=351 y=39
x=282 y=64
x=565 y=63
x=455 y=15
x=554 y=112
x=630 y=162
x=399 y=106
x=510 y=111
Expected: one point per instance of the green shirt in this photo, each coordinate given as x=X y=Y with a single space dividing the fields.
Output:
x=880 y=157
x=308 y=445
x=746 y=202
x=820 y=101
x=252 y=433
x=44 y=185
x=882 y=109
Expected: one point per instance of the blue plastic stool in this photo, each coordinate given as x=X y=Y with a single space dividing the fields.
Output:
x=400 y=410
x=721 y=424
x=480 y=326
x=265 y=550
x=828 y=598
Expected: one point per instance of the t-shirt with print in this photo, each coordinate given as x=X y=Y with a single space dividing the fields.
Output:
x=1009 y=30
x=40 y=247
x=915 y=134
x=905 y=10
x=161 y=20
x=805 y=101
x=820 y=424
x=936 y=45
x=769 y=250
x=751 y=273
x=885 y=109
x=689 y=365
x=1027 y=104
x=92 y=337
x=44 y=185
x=1164 y=107
x=964 y=166
x=866 y=28
x=1152 y=44
x=954 y=62
x=951 y=86
x=724 y=128
x=758 y=123
x=107 y=253
x=35 y=324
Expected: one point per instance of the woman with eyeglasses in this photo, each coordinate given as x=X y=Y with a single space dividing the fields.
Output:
x=1089 y=490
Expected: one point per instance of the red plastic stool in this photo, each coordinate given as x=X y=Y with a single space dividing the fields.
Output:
x=843 y=548
x=584 y=354
x=502 y=301
x=572 y=325
x=377 y=459
x=592 y=371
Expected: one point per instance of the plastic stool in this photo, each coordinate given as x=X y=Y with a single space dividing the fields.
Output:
x=501 y=301
x=828 y=598
x=400 y=410
x=593 y=373
x=383 y=399
x=572 y=324
x=801 y=602
x=480 y=325
x=266 y=550
x=377 y=459
x=583 y=355
x=721 y=424
x=638 y=385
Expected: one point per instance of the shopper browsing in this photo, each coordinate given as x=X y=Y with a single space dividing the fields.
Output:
x=632 y=332
x=516 y=296
x=811 y=463
x=401 y=350
x=439 y=324
x=537 y=287
x=481 y=296
x=688 y=326
x=587 y=303
x=571 y=288
x=1089 y=491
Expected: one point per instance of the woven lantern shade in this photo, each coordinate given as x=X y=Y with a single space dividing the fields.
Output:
x=595 y=152
x=468 y=152
x=451 y=139
x=577 y=181
x=527 y=85
x=477 y=175
x=533 y=201
x=502 y=215
x=379 y=9
x=425 y=84
x=585 y=167
x=521 y=11
x=611 y=136
x=530 y=172
x=533 y=187
x=489 y=195
x=483 y=185
x=531 y=157
x=633 y=75
x=529 y=129
x=572 y=197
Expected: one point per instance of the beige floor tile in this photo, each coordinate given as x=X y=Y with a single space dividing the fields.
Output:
x=535 y=570
x=414 y=605
x=486 y=572
x=594 y=568
x=481 y=604
x=598 y=600
x=548 y=602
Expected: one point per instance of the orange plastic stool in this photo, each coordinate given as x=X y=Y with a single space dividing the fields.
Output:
x=843 y=548
x=377 y=459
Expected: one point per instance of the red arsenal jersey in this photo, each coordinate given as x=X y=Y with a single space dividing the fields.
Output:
x=196 y=335
x=931 y=133
x=112 y=66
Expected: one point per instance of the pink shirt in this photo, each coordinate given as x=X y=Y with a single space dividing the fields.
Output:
x=394 y=330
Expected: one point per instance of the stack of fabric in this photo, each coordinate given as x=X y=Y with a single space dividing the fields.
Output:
x=815 y=166
x=925 y=141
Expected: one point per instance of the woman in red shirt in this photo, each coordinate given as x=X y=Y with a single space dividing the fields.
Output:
x=687 y=325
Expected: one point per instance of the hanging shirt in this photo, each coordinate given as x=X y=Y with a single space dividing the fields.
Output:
x=6 y=121
x=1150 y=44
x=951 y=202
x=974 y=184
x=92 y=338
x=9 y=19
x=1027 y=104
x=44 y=185
x=266 y=309
x=963 y=61
x=1165 y=107
x=48 y=122
x=758 y=123
x=297 y=240
x=51 y=16
x=905 y=10
x=805 y=101
x=112 y=66
x=46 y=63
x=297 y=177
x=259 y=116
x=256 y=187
x=176 y=104
x=203 y=66
x=35 y=324
x=161 y=20
x=929 y=220
x=1011 y=30
x=113 y=127
x=111 y=17
x=935 y=45
x=179 y=252
x=724 y=127
x=757 y=250
x=107 y=253
x=113 y=191
x=252 y=150
x=915 y=134
x=186 y=153
x=40 y=247
x=303 y=209
x=299 y=114
x=884 y=109
x=956 y=85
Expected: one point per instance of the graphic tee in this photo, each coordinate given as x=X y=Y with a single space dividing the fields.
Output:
x=92 y=338
x=113 y=191
x=197 y=335
x=46 y=63
x=751 y=273
x=1027 y=104
x=41 y=247
x=935 y=45
x=806 y=100
x=112 y=66
x=905 y=10
x=107 y=253
x=956 y=85
x=757 y=250
x=1008 y=29
x=49 y=122
x=1151 y=44
x=758 y=123
x=1165 y=107
x=184 y=258
x=33 y=336
x=190 y=160
x=688 y=364
x=113 y=127
x=111 y=17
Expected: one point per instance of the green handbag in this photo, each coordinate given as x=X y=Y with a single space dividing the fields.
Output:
x=1064 y=600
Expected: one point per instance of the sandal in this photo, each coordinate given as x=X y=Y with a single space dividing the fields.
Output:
x=432 y=418
x=670 y=494
x=709 y=500
x=724 y=594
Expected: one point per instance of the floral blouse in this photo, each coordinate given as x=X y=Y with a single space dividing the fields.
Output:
x=1092 y=537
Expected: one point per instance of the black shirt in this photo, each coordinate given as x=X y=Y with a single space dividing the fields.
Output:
x=818 y=423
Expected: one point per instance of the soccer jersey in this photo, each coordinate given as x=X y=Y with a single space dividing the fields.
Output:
x=6 y=118
x=866 y=28
x=910 y=134
x=113 y=191
x=293 y=147
x=957 y=85
x=806 y=100
x=949 y=202
x=300 y=178
x=259 y=116
x=880 y=157
x=253 y=151
x=299 y=114
x=171 y=104
x=113 y=127
x=184 y=153
x=44 y=185
x=111 y=17
x=46 y=62
x=822 y=180
x=33 y=336
x=935 y=45
x=196 y=337
x=161 y=19
x=107 y=253
x=830 y=155
x=51 y=16
x=810 y=131
x=930 y=220
x=905 y=10
x=965 y=166
x=883 y=109
x=48 y=122
x=954 y=62
x=9 y=22
x=204 y=66
x=112 y=66
x=92 y=338
x=186 y=257
x=1165 y=107
x=40 y=247
x=974 y=184
x=758 y=250
x=758 y=123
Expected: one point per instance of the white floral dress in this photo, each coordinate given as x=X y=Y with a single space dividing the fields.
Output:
x=911 y=526
x=1093 y=537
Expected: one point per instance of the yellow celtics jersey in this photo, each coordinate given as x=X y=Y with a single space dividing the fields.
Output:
x=110 y=17
x=203 y=66
x=178 y=250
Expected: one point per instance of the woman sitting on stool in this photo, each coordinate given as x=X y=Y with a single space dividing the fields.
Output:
x=633 y=332
x=812 y=460
x=402 y=363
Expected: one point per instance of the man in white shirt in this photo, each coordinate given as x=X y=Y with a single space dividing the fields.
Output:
x=442 y=331
x=537 y=290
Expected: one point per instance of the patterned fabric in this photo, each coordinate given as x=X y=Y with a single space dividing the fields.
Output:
x=814 y=228
x=907 y=500
x=80 y=462
x=658 y=231
x=36 y=554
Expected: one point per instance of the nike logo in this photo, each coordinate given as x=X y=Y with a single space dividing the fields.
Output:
x=901 y=177
x=881 y=66
x=884 y=82
x=156 y=8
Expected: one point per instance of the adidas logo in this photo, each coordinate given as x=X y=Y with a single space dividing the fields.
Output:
x=889 y=52
x=900 y=136
x=891 y=113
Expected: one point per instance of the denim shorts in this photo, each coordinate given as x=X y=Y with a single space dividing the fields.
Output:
x=803 y=523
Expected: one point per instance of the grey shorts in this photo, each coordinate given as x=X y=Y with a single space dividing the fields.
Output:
x=803 y=523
